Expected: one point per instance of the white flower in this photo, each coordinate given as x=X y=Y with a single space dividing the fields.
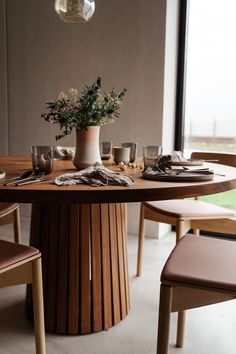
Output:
x=62 y=96
x=73 y=94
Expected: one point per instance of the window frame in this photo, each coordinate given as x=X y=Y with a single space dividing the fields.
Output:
x=181 y=75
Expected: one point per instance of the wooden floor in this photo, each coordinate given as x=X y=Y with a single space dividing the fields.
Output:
x=209 y=331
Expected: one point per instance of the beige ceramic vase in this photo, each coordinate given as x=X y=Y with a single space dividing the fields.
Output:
x=87 y=147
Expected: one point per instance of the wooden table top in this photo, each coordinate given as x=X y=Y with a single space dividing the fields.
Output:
x=141 y=190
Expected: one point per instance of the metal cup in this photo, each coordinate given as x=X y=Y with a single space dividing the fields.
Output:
x=42 y=159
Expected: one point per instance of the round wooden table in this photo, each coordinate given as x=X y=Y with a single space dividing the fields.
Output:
x=81 y=232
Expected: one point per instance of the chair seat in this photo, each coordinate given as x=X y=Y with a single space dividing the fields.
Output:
x=12 y=253
x=202 y=261
x=190 y=209
x=6 y=208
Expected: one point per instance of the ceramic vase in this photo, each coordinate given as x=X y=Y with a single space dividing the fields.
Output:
x=87 y=147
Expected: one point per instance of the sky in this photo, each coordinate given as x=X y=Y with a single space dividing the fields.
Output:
x=211 y=68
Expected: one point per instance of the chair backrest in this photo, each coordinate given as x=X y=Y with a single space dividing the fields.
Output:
x=222 y=158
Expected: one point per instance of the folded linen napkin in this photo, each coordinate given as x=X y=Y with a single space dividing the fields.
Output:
x=159 y=166
x=95 y=176
x=177 y=156
x=64 y=153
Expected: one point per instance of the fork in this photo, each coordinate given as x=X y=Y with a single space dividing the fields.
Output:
x=13 y=180
x=32 y=178
x=35 y=180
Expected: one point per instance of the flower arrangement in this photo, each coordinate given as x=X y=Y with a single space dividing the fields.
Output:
x=92 y=108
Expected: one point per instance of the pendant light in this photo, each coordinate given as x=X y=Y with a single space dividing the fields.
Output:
x=75 y=11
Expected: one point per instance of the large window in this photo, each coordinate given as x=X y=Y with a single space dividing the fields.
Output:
x=210 y=101
x=209 y=111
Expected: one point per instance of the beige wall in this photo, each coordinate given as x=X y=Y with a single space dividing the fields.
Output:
x=124 y=43
x=3 y=82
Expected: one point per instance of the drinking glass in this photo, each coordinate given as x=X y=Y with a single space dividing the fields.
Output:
x=105 y=149
x=150 y=154
x=42 y=159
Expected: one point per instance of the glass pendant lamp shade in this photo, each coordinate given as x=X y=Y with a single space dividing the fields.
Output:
x=75 y=11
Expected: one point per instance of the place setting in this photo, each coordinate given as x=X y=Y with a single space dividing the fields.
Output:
x=162 y=170
x=42 y=166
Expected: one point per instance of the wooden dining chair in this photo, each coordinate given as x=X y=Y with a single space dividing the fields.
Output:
x=187 y=214
x=20 y=264
x=200 y=271
x=10 y=214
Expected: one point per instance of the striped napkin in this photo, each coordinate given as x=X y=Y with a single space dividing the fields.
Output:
x=95 y=176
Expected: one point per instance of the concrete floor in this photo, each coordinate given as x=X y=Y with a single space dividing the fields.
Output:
x=209 y=330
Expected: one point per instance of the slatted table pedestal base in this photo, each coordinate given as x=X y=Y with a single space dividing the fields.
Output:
x=85 y=271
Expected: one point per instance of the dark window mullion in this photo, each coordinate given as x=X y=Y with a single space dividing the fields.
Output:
x=181 y=74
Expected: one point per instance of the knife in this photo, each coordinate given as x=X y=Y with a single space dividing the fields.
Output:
x=13 y=180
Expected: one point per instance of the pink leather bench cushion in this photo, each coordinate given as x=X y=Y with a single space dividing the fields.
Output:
x=11 y=253
x=6 y=208
x=190 y=209
x=202 y=261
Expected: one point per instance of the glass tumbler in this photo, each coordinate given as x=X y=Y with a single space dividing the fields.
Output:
x=42 y=159
x=105 y=149
x=150 y=154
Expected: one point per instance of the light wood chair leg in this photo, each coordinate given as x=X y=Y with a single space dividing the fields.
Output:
x=196 y=231
x=38 y=306
x=180 y=329
x=140 y=241
x=17 y=228
x=182 y=226
x=164 y=319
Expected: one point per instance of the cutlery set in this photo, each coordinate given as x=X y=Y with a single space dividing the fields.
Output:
x=13 y=180
x=27 y=177
x=203 y=171
x=185 y=170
